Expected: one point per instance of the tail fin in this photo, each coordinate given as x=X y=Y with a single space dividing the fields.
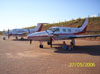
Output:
x=39 y=27
x=84 y=25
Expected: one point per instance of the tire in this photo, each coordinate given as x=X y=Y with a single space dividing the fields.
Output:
x=4 y=38
x=22 y=38
x=41 y=46
x=48 y=43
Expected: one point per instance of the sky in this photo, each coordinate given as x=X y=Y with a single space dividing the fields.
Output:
x=26 y=13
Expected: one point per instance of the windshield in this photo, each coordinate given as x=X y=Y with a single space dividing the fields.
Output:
x=54 y=29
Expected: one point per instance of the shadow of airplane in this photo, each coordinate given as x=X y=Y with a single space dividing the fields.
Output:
x=21 y=40
x=90 y=49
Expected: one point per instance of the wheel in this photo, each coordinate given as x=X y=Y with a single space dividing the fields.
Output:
x=41 y=46
x=16 y=37
x=48 y=43
x=73 y=42
x=4 y=38
x=22 y=38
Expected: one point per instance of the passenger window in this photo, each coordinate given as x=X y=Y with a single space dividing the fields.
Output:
x=64 y=30
x=69 y=30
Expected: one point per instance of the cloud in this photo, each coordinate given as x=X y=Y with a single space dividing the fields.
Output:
x=93 y=15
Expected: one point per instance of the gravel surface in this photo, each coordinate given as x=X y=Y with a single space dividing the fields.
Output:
x=19 y=57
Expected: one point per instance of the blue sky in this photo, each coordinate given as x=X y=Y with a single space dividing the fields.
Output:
x=24 y=13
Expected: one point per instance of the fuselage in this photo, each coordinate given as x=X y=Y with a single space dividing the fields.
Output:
x=58 y=33
x=24 y=32
x=20 y=32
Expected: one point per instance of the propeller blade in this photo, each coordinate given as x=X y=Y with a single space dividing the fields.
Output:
x=50 y=34
x=8 y=34
x=51 y=42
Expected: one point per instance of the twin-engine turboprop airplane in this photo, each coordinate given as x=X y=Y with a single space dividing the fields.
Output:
x=23 y=32
x=60 y=33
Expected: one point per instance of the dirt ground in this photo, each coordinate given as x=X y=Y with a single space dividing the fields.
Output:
x=19 y=57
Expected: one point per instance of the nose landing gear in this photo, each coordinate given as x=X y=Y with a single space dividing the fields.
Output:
x=41 y=45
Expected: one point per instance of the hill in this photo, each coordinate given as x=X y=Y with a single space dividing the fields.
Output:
x=93 y=25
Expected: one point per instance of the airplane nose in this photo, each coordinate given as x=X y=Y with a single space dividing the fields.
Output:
x=30 y=36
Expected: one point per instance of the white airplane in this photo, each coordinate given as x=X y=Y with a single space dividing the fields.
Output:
x=23 y=32
x=60 y=33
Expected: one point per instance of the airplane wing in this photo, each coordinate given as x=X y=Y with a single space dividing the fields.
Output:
x=83 y=36
x=21 y=33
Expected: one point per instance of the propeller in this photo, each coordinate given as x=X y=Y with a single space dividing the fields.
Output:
x=51 y=37
x=8 y=33
x=51 y=34
x=51 y=42
x=3 y=32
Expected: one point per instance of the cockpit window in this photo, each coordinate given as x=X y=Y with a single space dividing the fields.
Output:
x=55 y=29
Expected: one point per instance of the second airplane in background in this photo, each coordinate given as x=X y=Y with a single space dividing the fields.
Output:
x=23 y=32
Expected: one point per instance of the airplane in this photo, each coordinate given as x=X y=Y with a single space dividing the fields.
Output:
x=23 y=32
x=60 y=33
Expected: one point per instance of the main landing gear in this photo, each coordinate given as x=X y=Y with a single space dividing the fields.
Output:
x=16 y=37
x=8 y=36
x=22 y=38
x=41 y=45
x=30 y=41
x=73 y=42
x=49 y=43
